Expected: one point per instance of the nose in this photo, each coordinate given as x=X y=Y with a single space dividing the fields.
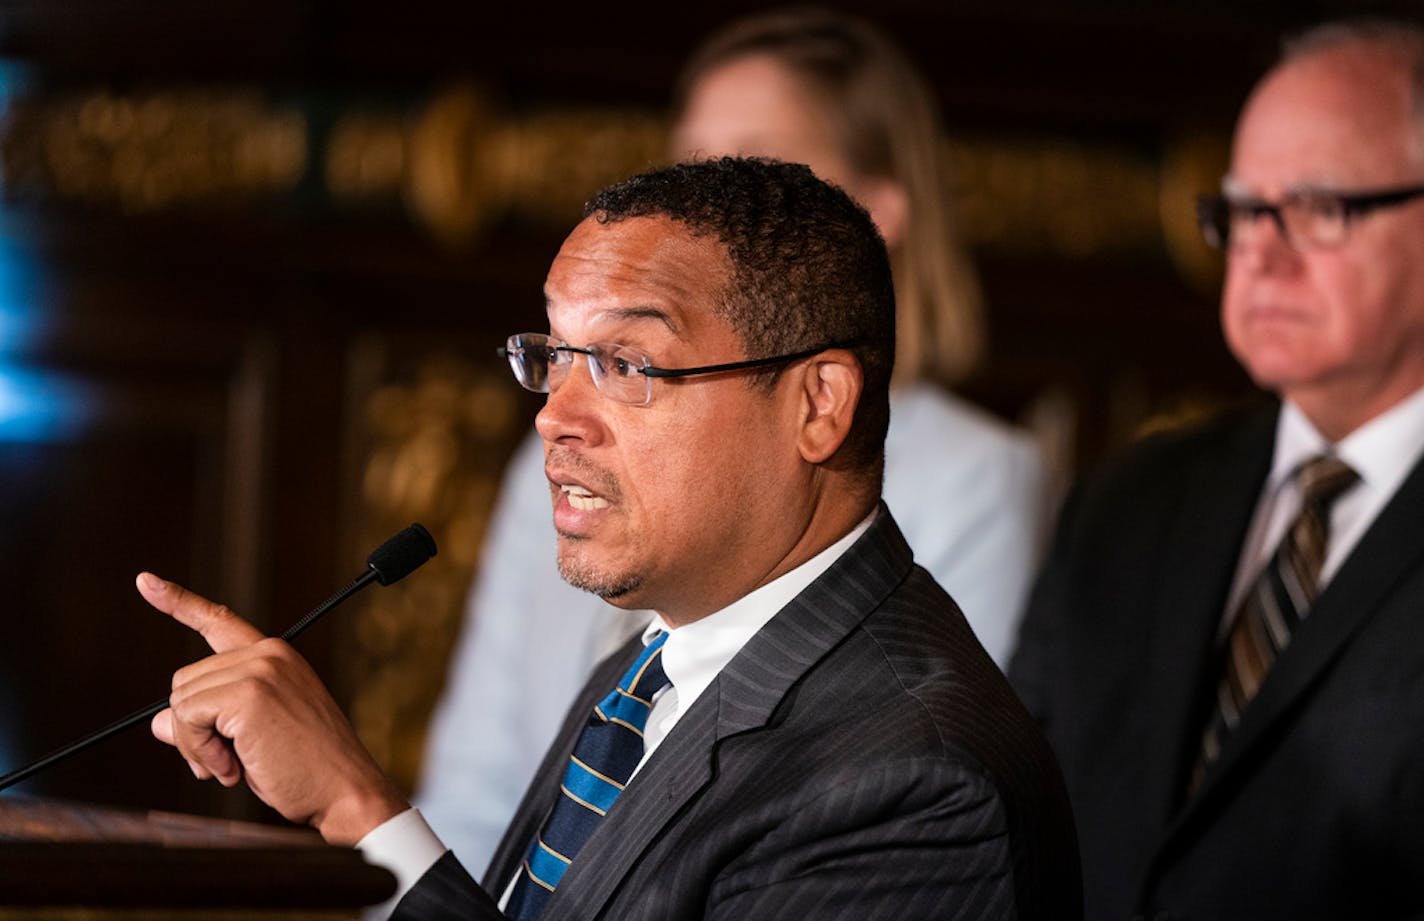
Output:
x=1261 y=245
x=572 y=410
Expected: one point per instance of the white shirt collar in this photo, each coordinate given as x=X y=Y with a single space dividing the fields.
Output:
x=1386 y=448
x=1382 y=451
x=692 y=657
x=695 y=653
x=1296 y=442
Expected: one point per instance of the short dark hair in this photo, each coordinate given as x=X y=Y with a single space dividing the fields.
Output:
x=808 y=266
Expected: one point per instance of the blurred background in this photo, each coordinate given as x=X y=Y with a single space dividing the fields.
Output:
x=255 y=258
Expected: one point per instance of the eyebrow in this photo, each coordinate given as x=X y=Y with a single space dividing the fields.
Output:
x=1232 y=186
x=643 y=312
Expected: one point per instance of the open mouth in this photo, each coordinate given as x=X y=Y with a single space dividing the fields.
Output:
x=583 y=500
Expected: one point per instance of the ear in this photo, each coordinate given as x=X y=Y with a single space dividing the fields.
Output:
x=889 y=207
x=831 y=383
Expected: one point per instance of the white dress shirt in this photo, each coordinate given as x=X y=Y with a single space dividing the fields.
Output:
x=1382 y=452
x=692 y=657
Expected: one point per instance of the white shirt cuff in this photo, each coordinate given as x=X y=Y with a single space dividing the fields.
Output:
x=405 y=845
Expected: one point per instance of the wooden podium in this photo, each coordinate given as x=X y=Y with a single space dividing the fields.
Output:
x=68 y=862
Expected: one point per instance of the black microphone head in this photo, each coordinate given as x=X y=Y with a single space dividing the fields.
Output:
x=402 y=554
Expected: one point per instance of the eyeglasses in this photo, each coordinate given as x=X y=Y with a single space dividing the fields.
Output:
x=1306 y=220
x=541 y=363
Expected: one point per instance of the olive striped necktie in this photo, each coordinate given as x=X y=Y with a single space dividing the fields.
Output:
x=1276 y=603
x=607 y=752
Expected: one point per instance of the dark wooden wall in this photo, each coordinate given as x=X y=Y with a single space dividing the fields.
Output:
x=251 y=278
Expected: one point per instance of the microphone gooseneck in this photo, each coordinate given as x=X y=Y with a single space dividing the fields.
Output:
x=395 y=559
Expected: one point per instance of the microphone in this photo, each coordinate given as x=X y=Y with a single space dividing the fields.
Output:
x=395 y=559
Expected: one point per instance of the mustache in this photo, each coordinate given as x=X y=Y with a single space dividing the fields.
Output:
x=591 y=475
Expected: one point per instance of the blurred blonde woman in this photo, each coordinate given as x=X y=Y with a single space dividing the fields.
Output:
x=832 y=92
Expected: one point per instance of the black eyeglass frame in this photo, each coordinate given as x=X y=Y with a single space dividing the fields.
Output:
x=1214 y=211
x=653 y=371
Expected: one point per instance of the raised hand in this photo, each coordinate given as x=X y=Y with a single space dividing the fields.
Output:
x=255 y=710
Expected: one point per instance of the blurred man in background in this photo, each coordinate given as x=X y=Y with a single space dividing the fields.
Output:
x=1226 y=646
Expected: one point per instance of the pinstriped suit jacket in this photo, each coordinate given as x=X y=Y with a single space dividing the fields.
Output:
x=860 y=758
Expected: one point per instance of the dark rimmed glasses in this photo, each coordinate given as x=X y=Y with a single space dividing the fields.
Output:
x=541 y=363
x=1308 y=219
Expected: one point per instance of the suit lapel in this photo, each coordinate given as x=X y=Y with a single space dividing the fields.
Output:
x=742 y=698
x=1391 y=548
x=1202 y=550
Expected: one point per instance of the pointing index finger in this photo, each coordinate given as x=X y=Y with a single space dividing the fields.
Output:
x=219 y=626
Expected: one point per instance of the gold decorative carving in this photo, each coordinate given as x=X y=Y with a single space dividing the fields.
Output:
x=459 y=163
x=1185 y=409
x=437 y=442
x=1049 y=195
x=555 y=161
x=366 y=156
x=1193 y=165
x=451 y=185
x=147 y=151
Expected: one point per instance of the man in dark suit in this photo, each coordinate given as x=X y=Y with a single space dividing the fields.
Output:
x=811 y=730
x=1226 y=646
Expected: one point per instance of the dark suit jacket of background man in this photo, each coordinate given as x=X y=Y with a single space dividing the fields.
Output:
x=1315 y=808
x=861 y=743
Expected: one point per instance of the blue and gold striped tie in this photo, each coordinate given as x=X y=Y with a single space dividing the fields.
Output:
x=608 y=750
